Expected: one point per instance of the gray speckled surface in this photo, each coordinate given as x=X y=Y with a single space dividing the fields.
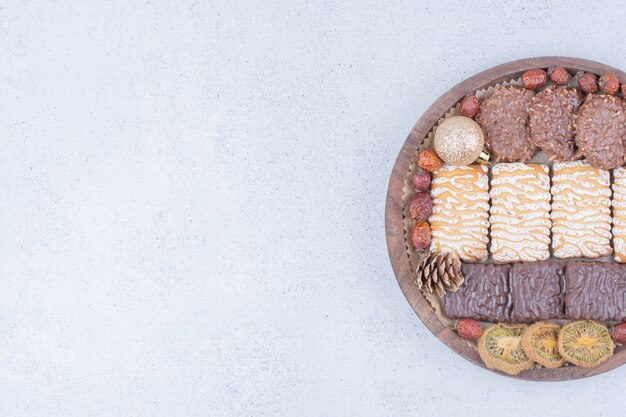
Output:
x=191 y=205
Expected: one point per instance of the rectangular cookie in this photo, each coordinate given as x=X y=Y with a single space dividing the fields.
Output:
x=536 y=292
x=619 y=213
x=460 y=216
x=581 y=211
x=520 y=213
x=595 y=291
x=483 y=295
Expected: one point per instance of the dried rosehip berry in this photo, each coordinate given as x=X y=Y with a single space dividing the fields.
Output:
x=534 y=78
x=588 y=82
x=421 y=206
x=469 y=329
x=421 y=180
x=618 y=333
x=420 y=236
x=429 y=161
x=469 y=106
x=558 y=75
x=624 y=90
x=609 y=83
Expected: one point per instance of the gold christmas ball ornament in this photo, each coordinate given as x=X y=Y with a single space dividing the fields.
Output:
x=459 y=141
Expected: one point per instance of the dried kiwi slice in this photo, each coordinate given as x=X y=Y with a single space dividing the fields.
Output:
x=585 y=343
x=540 y=343
x=500 y=347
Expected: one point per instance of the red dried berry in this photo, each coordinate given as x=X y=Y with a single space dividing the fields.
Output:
x=624 y=90
x=609 y=83
x=421 y=180
x=469 y=106
x=469 y=329
x=420 y=236
x=421 y=206
x=618 y=333
x=558 y=75
x=535 y=78
x=588 y=82
x=429 y=161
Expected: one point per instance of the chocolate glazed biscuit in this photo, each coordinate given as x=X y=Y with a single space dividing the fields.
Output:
x=552 y=116
x=595 y=291
x=504 y=119
x=483 y=295
x=536 y=292
x=601 y=131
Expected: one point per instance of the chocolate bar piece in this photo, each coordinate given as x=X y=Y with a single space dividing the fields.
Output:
x=483 y=295
x=595 y=291
x=536 y=292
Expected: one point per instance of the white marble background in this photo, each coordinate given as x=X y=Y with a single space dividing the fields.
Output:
x=191 y=205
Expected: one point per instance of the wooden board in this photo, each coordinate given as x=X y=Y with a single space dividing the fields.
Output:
x=394 y=226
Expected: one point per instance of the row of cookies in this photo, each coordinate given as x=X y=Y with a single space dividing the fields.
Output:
x=561 y=121
x=529 y=292
x=522 y=215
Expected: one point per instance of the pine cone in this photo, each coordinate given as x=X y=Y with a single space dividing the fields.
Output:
x=439 y=272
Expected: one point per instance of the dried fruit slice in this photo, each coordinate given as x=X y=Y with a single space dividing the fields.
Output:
x=500 y=347
x=585 y=343
x=540 y=343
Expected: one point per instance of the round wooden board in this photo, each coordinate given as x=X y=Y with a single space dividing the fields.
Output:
x=394 y=226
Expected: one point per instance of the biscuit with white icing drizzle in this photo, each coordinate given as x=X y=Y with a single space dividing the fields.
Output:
x=619 y=214
x=460 y=217
x=581 y=211
x=520 y=213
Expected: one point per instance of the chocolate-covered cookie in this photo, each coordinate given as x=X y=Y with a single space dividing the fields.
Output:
x=595 y=291
x=504 y=118
x=536 y=292
x=601 y=131
x=483 y=295
x=552 y=115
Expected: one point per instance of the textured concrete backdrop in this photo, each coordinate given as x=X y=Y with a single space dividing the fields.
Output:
x=191 y=205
